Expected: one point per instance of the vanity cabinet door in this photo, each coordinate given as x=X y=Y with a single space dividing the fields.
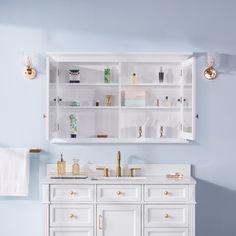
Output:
x=166 y=215
x=166 y=193
x=71 y=231
x=188 y=72
x=166 y=232
x=71 y=193
x=117 y=220
x=119 y=193
x=62 y=215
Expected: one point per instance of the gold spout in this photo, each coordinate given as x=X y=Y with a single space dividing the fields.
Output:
x=118 y=167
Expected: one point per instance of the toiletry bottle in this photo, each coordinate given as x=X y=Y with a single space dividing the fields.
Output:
x=161 y=131
x=134 y=78
x=107 y=75
x=73 y=126
x=166 y=103
x=61 y=167
x=161 y=75
x=97 y=103
x=76 y=167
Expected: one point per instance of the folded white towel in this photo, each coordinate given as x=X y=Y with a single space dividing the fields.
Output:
x=14 y=172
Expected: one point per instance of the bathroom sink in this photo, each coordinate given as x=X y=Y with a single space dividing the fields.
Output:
x=125 y=178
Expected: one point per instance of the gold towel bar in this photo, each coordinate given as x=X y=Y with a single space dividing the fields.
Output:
x=35 y=150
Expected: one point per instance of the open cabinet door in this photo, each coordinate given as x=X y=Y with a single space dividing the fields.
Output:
x=52 y=98
x=188 y=72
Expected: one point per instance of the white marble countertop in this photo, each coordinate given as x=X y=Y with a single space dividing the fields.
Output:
x=122 y=180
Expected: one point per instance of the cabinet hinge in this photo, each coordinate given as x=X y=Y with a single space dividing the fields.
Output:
x=59 y=99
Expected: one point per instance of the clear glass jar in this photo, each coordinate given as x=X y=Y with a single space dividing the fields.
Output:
x=75 y=167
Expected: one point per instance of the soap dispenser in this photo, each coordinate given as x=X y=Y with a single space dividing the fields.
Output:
x=61 y=167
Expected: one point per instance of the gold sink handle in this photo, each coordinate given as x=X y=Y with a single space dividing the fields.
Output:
x=131 y=171
x=105 y=171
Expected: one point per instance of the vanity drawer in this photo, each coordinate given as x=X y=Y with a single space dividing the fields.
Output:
x=71 y=215
x=119 y=193
x=166 y=232
x=71 y=193
x=71 y=231
x=166 y=215
x=166 y=193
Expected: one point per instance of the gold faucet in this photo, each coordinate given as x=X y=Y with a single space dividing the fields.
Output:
x=118 y=167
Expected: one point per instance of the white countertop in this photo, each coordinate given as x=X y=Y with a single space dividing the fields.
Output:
x=120 y=180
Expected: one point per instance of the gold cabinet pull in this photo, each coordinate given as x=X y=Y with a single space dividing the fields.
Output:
x=166 y=193
x=167 y=216
x=118 y=193
x=72 y=193
x=72 y=216
x=100 y=222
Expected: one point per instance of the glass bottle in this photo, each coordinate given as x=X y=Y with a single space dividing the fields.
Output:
x=61 y=167
x=134 y=78
x=75 y=167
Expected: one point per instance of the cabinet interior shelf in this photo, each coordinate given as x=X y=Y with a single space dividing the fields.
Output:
x=85 y=107
x=121 y=140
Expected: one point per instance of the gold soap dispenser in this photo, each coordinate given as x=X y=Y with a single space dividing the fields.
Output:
x=61 y=167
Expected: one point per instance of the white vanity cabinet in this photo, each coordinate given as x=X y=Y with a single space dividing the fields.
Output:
x=151 y=207
x=142 y=109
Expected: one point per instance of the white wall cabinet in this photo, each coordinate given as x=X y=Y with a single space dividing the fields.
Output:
x=142 y=109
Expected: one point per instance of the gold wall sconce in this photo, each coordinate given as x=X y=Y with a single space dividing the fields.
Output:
x=210 y=71
x=30 y=71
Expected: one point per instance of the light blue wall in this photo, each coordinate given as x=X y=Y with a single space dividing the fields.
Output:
x=122 y=25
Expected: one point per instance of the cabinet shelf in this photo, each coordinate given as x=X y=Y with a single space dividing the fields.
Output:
x=150 y=85
x=85 y=107
x=150 y=108
x=84 y=84
x=121 y=140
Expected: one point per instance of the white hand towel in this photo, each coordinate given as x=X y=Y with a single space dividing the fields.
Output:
x=14 y=172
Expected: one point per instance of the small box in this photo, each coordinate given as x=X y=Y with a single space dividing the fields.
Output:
x=135 y=98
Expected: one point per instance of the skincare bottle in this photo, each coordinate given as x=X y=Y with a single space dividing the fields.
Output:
x=73 y=126
x=76 y=167
x=161 y=75
x=97 y=103
x=61 y=167
x=107 y=75
x=166 y=101
x=134 y=78
x=161 y=131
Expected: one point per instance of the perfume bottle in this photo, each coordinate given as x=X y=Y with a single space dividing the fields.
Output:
x=166 y=101
x=161 y=75
x=73 y=126
x=97 y=103
x=134 y=78
x=107 y=75
x=76 y=167
x=61 y=167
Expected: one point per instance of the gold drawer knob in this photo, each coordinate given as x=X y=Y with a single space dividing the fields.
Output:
x=167 y=216
x=72 y=193
x=118 y=193
x=166 y=193
x=72 y=216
